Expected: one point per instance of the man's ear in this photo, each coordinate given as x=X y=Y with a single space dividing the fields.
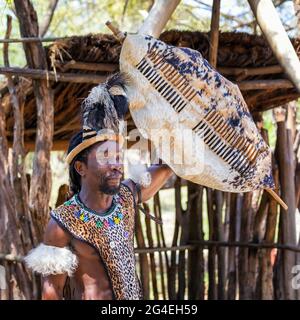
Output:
x=80 y=167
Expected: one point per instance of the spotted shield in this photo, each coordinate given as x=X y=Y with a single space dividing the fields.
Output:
x=175 y=90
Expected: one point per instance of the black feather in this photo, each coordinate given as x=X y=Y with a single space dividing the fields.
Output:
x=98 y=114
x=117 y=79
x=120 y=102
x=121 y=105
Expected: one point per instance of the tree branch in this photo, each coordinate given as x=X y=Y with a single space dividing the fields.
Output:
x=48 y=17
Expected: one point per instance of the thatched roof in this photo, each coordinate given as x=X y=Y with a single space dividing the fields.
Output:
x=236 y=50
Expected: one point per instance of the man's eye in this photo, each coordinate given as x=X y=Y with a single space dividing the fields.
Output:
x=107 y=160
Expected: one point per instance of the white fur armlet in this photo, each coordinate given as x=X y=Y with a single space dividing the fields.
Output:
x=48 y=260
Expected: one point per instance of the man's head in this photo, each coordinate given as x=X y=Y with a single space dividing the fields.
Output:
x=94 y=153
x=99 y=166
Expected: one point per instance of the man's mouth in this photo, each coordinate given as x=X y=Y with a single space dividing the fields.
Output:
x=117 y=176
x=113 y=178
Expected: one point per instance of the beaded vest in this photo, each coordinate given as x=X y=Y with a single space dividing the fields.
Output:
x=111 y=234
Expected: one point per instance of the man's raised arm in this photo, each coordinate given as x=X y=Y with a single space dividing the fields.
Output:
x=159 y=176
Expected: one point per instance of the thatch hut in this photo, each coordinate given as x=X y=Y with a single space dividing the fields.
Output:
x=84 y=61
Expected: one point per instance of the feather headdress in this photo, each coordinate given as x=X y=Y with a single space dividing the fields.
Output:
x=103 y=114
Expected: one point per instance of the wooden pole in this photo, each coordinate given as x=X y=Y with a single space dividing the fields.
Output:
x=39 y=74
x=152 y=257
x=232 y=267
x=21 y=223
x=195 y=257
x=172 y=271
x=160 y=241
x=215 y=216
x=277 y=37
x=286 y=162
x=18 y=173
x=111 y=67
x=193 y=246
x=117 y=33
x=277 y=198
x=257 y=236
x=158 y=17
x=9 y=233
x=211 y=265
x=264 y=84
x=245 y=291
x=267 y=286
x=41 y=177
x=184 y=222
x=221 y=267
x=78 y=65
x=96 y=79
x=143 y=259
x=33 y=39
x=247 y=244
x=250 y=71
x=214 y=33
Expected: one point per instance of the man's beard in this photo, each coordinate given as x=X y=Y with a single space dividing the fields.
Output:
x=110 y=190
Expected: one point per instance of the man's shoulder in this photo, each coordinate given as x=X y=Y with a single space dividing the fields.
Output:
x=56 y=234
x=127 y=190
x=127 y=184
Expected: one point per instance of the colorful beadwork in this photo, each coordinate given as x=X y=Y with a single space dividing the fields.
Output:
x=68 y=203
x=120 y=216
x=105 y=224
x=77 y=213
x=99 y=224
x=116 y=220
x=112 y=219
x=111 y=222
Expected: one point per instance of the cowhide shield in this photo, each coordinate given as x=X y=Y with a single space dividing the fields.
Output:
x=175 y=90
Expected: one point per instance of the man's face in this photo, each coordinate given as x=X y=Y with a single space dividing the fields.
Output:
x=104 y=167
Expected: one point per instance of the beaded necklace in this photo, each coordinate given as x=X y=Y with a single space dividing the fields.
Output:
x=108 y=219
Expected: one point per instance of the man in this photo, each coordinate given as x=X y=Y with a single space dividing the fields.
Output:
x=90 y=237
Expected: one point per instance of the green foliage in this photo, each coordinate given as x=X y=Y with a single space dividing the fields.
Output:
x=80 y=17
x=270 y=125
x=298 y=112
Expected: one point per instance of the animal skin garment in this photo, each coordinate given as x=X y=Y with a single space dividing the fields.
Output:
x=178 y=101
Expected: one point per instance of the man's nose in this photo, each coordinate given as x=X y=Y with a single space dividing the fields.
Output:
x=117 y=166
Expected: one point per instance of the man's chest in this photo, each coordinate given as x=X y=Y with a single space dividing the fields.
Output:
x=83 y=250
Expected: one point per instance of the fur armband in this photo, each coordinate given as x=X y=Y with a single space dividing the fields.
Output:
x=48 y=260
